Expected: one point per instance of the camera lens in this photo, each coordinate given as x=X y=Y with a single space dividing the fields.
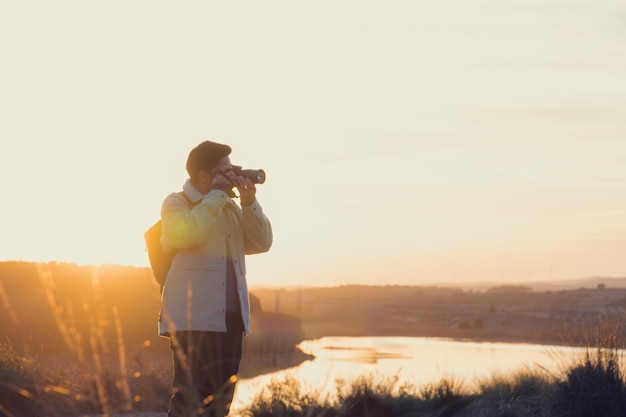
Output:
x=260 y=176
x=257 y=176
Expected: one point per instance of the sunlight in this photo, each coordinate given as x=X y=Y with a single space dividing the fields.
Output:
x=425 y=137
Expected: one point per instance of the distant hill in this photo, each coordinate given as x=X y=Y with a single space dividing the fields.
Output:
x=48 y=305
x=591 y=282
x=556 y=285
x=45 y=307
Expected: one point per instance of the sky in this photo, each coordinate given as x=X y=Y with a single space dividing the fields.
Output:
x=405 y=142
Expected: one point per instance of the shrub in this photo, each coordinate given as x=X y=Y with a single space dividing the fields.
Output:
x=594 y=383
x=519 y=394
x=446 y=397
x=287 y=398
x=593 y=387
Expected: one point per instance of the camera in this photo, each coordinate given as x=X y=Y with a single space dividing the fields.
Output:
x=257 y=176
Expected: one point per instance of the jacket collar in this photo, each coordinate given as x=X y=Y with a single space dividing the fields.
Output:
x=192 y=192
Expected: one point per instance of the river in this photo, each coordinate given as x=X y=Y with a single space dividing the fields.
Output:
x=415 y=360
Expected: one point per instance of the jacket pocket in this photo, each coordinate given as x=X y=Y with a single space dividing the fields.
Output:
x=203 y=264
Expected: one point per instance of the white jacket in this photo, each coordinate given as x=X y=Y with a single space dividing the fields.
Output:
x=194 y=296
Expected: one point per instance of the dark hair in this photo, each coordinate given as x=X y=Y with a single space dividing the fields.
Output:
x=205 y=157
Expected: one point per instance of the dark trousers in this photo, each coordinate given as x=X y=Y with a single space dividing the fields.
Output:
x=205 y=370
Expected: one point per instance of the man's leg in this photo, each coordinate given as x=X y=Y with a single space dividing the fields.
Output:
x=221 y=358
x=184 y=400
x=204 y=366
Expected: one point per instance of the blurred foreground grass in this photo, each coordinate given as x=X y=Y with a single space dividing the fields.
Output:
x=591 y=383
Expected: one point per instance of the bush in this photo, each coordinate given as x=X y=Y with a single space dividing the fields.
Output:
x=520 y=394
x=287 y=399
x=594 y=387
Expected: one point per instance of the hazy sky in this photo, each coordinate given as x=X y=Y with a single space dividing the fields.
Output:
x=405 y=142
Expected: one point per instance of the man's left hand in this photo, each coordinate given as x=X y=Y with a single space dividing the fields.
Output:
x=247 y=190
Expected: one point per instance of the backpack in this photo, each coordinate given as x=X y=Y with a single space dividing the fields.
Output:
x=160 y=261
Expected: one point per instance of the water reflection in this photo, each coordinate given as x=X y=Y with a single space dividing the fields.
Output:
x=417 y=361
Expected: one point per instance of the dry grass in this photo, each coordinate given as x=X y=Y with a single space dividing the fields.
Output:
x=105 y=377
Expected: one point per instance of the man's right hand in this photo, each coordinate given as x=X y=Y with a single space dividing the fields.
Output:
x=224 y=180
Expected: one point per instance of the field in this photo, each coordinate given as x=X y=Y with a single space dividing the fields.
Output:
x=78 y=340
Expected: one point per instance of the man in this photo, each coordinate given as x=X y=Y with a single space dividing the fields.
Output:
x=205 y=308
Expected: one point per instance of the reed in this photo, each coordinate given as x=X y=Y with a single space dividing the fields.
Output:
x=93 y=375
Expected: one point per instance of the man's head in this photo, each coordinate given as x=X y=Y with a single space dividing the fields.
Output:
x=205 y=157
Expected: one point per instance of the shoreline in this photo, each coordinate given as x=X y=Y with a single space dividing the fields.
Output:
x=297 y=356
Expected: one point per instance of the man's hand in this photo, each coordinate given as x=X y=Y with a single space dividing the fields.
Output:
x=224 y=180
x=247 y=190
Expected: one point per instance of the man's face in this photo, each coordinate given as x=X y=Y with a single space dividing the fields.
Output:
x=223 y=165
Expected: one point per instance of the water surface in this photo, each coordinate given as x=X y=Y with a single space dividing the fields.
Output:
x=414 y=360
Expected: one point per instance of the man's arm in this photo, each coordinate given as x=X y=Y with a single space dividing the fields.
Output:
x=184 y=228
x=257 y=229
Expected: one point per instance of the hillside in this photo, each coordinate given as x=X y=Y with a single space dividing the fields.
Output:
x=48 y=307
x=54 y=310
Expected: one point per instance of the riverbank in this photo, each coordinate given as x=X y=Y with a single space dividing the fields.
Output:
x=148 y=376
x=593 y=385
